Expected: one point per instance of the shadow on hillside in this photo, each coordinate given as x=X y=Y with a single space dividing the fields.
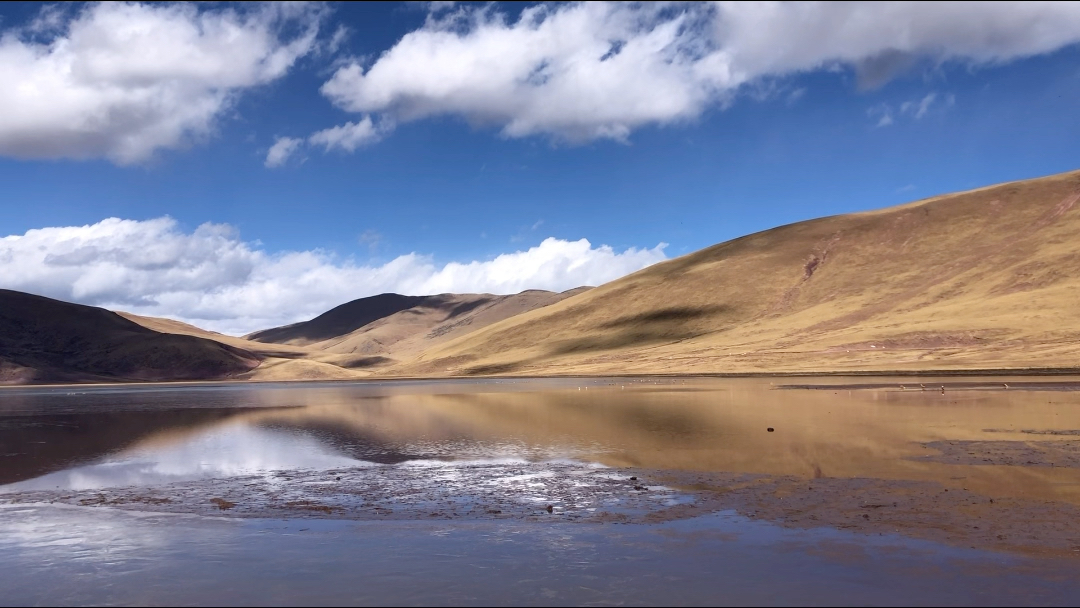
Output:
x=363 y=362
x=668 y=316
x=496 y=368
x=620 y=341
x=464 y=307
x=656 y=327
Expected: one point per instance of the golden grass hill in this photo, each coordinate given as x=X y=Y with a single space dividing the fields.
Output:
x=983 y=280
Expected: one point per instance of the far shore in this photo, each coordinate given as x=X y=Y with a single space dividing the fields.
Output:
x=938 y=373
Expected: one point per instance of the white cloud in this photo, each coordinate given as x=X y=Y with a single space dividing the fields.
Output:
x=579 y=72
x=282 y=149
x=124 y=80
x=348 y=136
x=919 y=108
x=915 y=109
x=211 y=278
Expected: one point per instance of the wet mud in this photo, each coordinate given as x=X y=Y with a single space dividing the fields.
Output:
x=519 y=491
x=572 y=492
x=1005 y=453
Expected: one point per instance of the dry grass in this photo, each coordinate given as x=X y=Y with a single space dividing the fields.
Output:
x=986 y=279
x=406 y=334
x=980 y=280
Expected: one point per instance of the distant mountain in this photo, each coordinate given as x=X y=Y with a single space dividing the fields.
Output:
x=377 y=333
x=436 y=319
x=979 y=280
x=46 y=340
x=388 y=327
x=337 y=321
x=975 y=281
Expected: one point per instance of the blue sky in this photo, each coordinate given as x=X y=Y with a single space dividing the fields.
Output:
x=686 y=158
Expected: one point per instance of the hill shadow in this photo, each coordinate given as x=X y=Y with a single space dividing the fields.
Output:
x=674 y=314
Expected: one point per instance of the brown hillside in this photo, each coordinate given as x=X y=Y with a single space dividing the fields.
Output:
x=985 y=279
x=172 y=326
x=45 y=340
x=437 y=319
x=337 y=321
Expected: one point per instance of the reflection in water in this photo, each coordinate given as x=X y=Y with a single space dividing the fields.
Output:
x=224 y=450
x=505 y=455
x=138 y=436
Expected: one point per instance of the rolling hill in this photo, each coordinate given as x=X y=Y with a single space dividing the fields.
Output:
x=377 y=333
x=387 y=329
x=437 y=319
x=337 y=321
x=46 y=340
x=984 y=279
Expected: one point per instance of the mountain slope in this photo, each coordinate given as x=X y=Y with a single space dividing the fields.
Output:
x=45 y=340
x=437 y=319
x=975 y=280
x=337 y=321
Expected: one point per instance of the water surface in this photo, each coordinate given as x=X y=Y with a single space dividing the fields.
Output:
x=515 y=479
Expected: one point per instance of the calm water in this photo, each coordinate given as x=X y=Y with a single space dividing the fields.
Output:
x=451 y=438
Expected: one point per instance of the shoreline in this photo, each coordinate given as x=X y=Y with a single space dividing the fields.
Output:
x=938 y=373
x=583 y=494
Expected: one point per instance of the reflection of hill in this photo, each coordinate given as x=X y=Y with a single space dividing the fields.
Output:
x=689 y=425
x=836 y=434
x=36 y=445
x=357 y=443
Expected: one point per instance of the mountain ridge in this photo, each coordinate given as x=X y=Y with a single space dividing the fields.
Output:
x=985 y=279
x=928 y=284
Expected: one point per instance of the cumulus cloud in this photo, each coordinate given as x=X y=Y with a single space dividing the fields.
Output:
x=348 y=136
x=282 y=149
x=579 y=72
x=124 y=80
x=212 y=278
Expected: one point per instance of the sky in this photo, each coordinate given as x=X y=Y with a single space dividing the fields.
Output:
x=245 y=166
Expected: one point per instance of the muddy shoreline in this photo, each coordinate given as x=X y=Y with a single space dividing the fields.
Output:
x=937 y=385
x=927 y=373
x=569 y=492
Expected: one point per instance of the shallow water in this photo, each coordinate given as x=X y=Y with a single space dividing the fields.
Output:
x=521 y=476
x=57 y=557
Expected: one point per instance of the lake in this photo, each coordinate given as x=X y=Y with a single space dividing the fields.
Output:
x=550 y=491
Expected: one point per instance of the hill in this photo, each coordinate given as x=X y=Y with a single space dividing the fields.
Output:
x=337 y=321
x=985 y=279
x=437 y=319
x=295 y=352
x=981 y=280
x=46 y=340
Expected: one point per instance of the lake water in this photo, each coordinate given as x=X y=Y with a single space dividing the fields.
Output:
x=557 y=491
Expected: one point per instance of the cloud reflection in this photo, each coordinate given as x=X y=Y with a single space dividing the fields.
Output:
x=225 y=451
